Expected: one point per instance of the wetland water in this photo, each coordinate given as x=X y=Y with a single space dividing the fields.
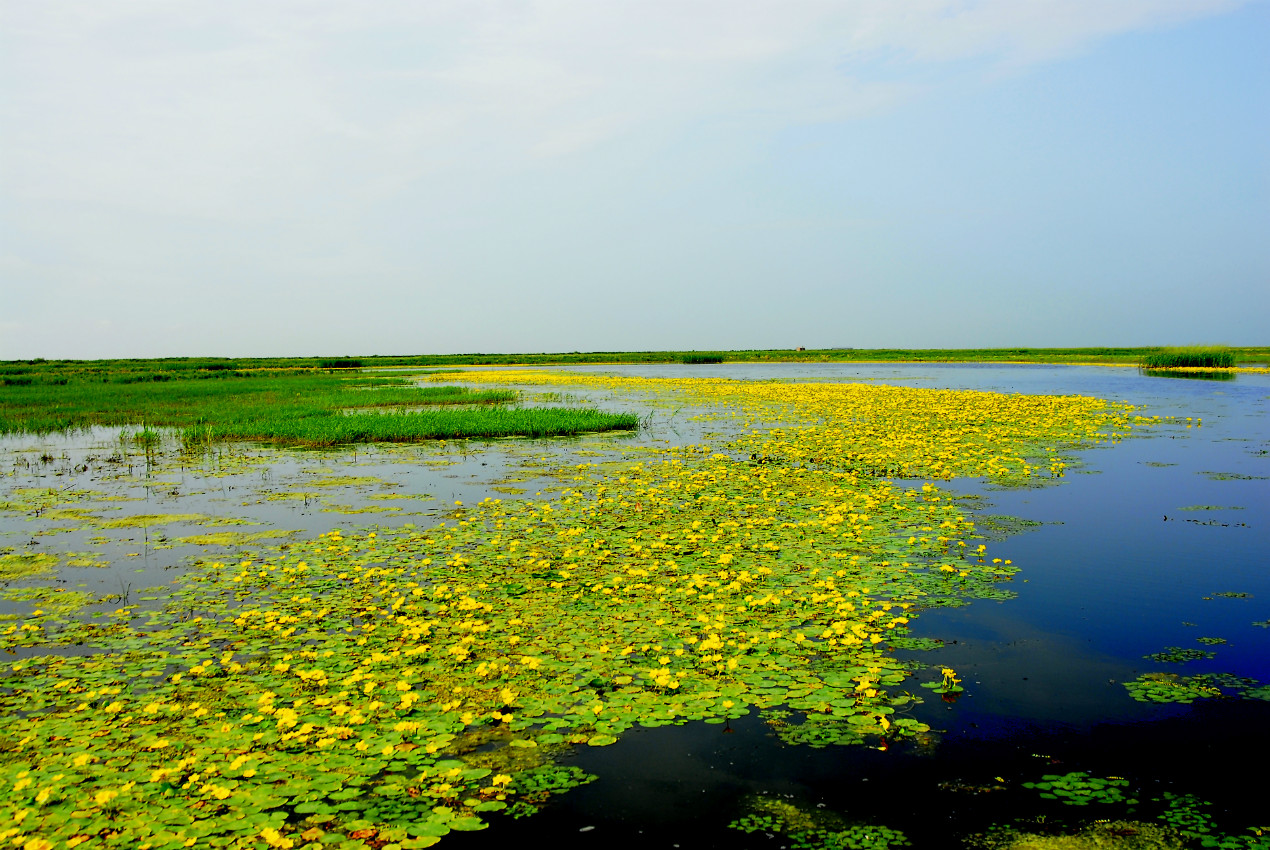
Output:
x=1155 y=542
x=1151 y=543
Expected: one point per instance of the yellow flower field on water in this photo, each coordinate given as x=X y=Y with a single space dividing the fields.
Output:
x=387 y=687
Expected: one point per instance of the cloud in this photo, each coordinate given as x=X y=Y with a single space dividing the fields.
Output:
x=225 y=110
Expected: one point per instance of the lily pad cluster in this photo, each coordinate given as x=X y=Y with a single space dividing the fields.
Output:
x=1180 y=655
x=1170 y=687
x=386 y=688
x=1079 y=788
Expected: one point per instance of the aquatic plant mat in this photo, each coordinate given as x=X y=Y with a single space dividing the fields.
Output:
x=387 y=687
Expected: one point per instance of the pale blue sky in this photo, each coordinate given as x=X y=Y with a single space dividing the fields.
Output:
x=291 y=178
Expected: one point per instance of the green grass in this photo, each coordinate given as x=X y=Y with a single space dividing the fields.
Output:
x=325 y=428
x=288 y=407
x=696 y=359
x=413 y=396
x=1196 y=356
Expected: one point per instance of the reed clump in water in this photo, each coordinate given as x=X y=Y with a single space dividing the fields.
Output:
x=1192 y=357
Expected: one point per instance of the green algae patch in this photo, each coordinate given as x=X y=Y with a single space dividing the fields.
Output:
x=348 y=481
x=57 y=602
x=147 y=520
x=813 y=828
x=293 y=496
x=37 y=499
x=16 y=566
x=86 y=559
x=234 y=538
x=353 y=510
x=70 y=514
x=1110 y=835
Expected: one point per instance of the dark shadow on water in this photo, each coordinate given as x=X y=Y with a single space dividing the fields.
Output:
x=682 y=786
x=1195 y=375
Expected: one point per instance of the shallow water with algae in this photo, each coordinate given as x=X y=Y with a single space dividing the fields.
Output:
x=805 y=606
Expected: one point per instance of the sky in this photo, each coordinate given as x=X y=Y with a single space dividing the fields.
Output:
x=304 y=177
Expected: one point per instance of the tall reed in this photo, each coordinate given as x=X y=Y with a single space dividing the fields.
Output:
x=1195 y=357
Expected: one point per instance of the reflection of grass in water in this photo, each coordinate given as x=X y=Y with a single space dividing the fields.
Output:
x=1192 y=374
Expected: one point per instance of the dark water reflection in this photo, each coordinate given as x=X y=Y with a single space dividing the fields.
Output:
x=1195 y=375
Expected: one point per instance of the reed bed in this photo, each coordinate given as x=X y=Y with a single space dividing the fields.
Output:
x=1191 y=357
